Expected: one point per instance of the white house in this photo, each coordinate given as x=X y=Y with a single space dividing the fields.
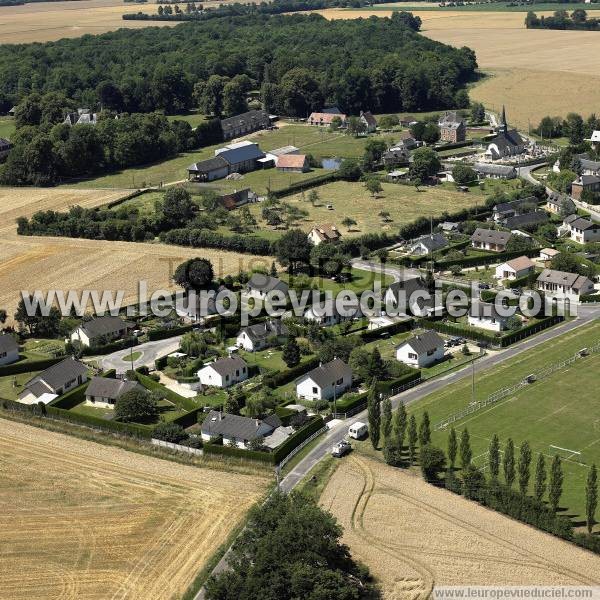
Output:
x=515 y=268
x=54 y=381
x=560 y=284
x=325 y=381
x=237 y=430
x=101 y=330
x=427 y=244
x=581 y=230
x=259 y=336
x=224 y=372
x=104 y=392
x=9 y=349
x=401 y=295
x=260 y=285
x=485 y=316
x=324 y=234
x=421 y=350
x=547 y=254
x=490 y=239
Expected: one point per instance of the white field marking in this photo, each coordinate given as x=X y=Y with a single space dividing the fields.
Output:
x=564 y=449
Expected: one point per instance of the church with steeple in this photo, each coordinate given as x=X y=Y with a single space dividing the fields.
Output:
x=506 y=143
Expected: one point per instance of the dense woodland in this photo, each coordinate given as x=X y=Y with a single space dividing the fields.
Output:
x=298 y=62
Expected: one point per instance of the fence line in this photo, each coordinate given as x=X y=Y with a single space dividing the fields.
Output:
x=508 y=391
x=300 y=446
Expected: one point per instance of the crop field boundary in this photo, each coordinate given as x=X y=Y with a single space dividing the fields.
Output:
x=510 y=390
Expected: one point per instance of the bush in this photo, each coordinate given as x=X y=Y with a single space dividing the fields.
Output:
x=433 y=461
x=170 y=432
x=162 y=334
x=136 y=405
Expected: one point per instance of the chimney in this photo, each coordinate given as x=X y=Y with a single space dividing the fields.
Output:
x=257 y=422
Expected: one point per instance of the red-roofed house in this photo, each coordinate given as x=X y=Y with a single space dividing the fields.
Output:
x=324 y=119
x=293 y=163
x=324 y=234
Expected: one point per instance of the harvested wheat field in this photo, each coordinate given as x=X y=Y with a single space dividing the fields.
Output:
x=82 y=520
x=534 y=72
x=414 y=536
x=44 y=263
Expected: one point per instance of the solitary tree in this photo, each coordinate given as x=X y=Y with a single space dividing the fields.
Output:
x=291 y=353
x=591 y=498
x=452 y=447
x=136 y=405
x=556 y=482
x=348 y=223
x=425 y=430
x=413 y=437
x=465 y=449
x=524 y=467
x=494 y=458
x=386 y=418
x=539 y=487
x=195 y=274
x=373 y=186
x=509 y=463
x=374 y=412
x=432 y=461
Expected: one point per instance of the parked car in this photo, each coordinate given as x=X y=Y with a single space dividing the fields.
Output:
x=340 y=449
x=358 y=430
x=484 y=286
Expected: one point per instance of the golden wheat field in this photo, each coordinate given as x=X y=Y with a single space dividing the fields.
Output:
x=43 y=263
x=414 y=536
x=83 y=520
x=533 y=72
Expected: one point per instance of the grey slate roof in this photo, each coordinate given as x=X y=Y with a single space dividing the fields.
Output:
x=514 y=205
x=266 y=283
x=533 y=218
x=253 y=119
x=228 y=366
x=5 y=144
x=589 y=165
x=511 y=138
x=106 y=325
x=329 y=373
x=572 y=280
x=484 y=309
x=57 y=375
x=583 y=224
x=587 y=180
x=266 y=329
x=492 y=169
x=234 y=426
x=408 y=286
x=432 y=242
x=424 y=342
x=240 y=154
x=208 y=165
x=8 y=343
x=492 y=236
x=105 y=387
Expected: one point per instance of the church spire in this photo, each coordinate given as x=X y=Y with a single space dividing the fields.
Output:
x=503 y=125
x=504 y=116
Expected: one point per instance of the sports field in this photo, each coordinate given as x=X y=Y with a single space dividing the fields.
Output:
x=83 y=520
x=414 y=536
x=561 y=410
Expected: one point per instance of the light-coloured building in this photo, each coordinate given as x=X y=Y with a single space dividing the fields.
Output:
x=260 y=285
x=490 y=239
x=9 y=349
x=421 y=350
x=484 y=315
x=515 y=268
x=54 y=381
x=104 y=392
x=101 y=330
x=261 y=335
x=560 y=284
x=582 y=230
x=427 y=244
x=325 y=382
x=224 y=373
x=324 y=234
x=235 y=430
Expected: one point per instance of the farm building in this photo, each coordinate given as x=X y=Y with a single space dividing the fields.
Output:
x=325 y=381
x=9 y=349
x=293 y=163
x=396 y=156
x=101 y=330
x=321 y=119
x=492 y=171
x=54 y=381
x=224 y=372
x=248 y=122
x=238 y=198
x=240 y=157
x=421 y=350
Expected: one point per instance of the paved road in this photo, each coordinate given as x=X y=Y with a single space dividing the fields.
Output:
x=150 y=352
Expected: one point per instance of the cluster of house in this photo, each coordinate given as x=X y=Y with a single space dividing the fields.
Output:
x=329 y=116
x=589 y=175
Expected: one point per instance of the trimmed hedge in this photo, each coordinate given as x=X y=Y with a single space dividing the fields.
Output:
x=387 y=386
x=297 y=438
x=189 y=419
x=282 y=377
x=71 y=399
x=374 y=334
x=307 y=184
x=265 y=457
x=345 y=405
x=29 y=366
x=204 y=238
x=485 y=259
x=511 y=338
x=110 y=348
x=150 y=384
x=163 y=334
x=589 y=298
x=519 y=282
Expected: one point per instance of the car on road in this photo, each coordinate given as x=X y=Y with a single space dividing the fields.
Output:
x=341 y=448
x=358 y=430
x=484 y=286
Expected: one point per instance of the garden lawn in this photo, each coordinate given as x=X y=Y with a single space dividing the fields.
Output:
x=7 y=127
x=194 y=119
x=38 y=349
x=561 y=410
x=8 y=390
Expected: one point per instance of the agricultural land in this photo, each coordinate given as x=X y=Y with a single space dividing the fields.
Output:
x=108 y=523
x=413 y=536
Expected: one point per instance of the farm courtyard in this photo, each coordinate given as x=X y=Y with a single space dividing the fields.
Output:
x=414 y=536
x=83 y=520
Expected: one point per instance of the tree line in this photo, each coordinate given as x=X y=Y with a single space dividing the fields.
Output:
x=539 y=486
x=561 y=19
x=298 y=62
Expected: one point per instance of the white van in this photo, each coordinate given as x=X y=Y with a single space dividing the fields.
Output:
x=358 y=430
